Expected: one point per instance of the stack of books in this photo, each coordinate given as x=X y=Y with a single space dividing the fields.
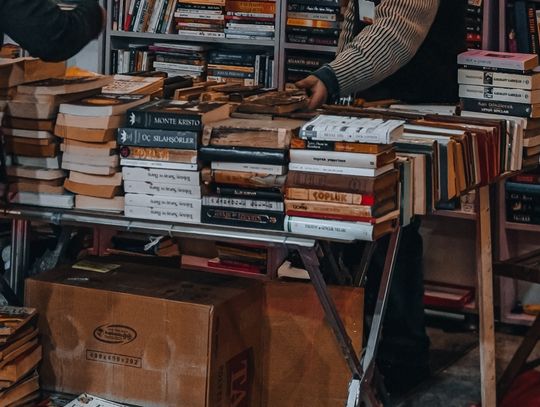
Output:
x=316 y=22
x=299 y=65
x=36 y=175
x=248 y=166
x=90 y=151
x=247 y=68
x=20 y=353
x=523 y=198
x=250 y=26
x=342 y=182
x=160 y=158
x=202 y=18
x=180 y=60
x=136 y=58
x=499 y=85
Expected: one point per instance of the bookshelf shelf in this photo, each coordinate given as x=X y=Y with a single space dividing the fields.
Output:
x=309 y=47
x=185 y=38
x=517 y=319
x=456 y=214
x=523 y=227
x=469 y=308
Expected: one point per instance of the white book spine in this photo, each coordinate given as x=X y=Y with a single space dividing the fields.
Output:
x=329 y=228
x=340 y=159
x=50 y=163
x=205 y=34
x=498 y=79
x=157 y=188
x=131 y=162
x=241 y=203
x=42 y=199
x=500 y=94
x=201 y=16
x=163 y=214
x=364 y=172
x=161 y=176
x=492 y=59
x=247 y=167
x=163 y=202
x=183 y=67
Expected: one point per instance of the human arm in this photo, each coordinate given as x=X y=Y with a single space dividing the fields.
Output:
x=379 y=50
x=46 y=31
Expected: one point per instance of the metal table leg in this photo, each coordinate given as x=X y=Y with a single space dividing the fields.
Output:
x=19 y=255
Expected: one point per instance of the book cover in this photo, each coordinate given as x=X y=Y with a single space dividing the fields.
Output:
x=161 y=176
x=164 y=189
x=131 y=136
x=103 y=105
x=243 y=155
x=243 y=218
x=493 y=59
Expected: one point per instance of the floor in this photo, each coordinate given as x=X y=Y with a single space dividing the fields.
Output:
x=458 y=384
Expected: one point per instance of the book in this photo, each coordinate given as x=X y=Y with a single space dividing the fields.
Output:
x=23 y=390
x=169 y=155
x=18 y=368
x=28 y=124
x=363 y=172
x=49 y=163
x=352 y=129
x=365 y=148
x=90 y=122
x=88 y=135
x=130 y=136
x=34 y=172
x=129 y=162
x=249 y=167
x=275 y=102
x=88 y=400
x=177 y=115
x=161 y=176
x=103 y=105
x=500 y=94
x=332 y=229
x=97 y=191
x=75 y=147
x=76 y=165
x=501 y=108
x=65 y=201
x=258 y=219
x=31 y=134
x=89 y=179
x=320 y=195
x=251 y=193
x=329 y=209
x=162 y=214
x=242 y=203
x=342 y=159
x=13 y=319
x=93 y=203
x=16 y=71
x=246 y=155
x=258 y=133
x=144 y=200
x=164 y=189
x=501 y=60
x=499 y=79
x=69 y=160
x=243 y=178
x=127 y=84
x=64 y=85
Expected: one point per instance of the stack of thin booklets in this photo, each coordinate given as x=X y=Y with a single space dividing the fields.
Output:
x=160 y=161
x=20 y=353
x=501 y=85
x=248 y=166
x=342 y=182
x=88 y=127
x=187 y=60
x=36 y=175
x=250 y=20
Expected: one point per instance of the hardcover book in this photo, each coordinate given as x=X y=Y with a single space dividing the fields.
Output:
x=177 y=115
x=103 y=105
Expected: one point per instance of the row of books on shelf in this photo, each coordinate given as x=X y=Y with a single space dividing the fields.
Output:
x=474 y=24
x=198 y=62
x=208 y=19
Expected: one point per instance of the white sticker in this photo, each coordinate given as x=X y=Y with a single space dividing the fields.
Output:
x=366 y=11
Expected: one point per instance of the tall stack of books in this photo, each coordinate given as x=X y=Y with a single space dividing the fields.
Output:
x=523 y=198
x=89 y=150
x=505 y=86
x=180 y=59
x=248 y=165
x=316 y=22
x=251 y=25
x=248 y=68
x=36 y=175
x=20 y=353
x=202 y=18
x=160 y=158
x=299 y=65
x=342 y=182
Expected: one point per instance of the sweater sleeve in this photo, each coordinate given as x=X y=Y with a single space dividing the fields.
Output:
x=380 y=49
x=46 y=31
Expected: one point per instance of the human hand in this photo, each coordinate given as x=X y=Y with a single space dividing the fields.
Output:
x=316 y=90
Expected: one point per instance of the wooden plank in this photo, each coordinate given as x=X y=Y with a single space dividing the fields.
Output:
x=485 y=300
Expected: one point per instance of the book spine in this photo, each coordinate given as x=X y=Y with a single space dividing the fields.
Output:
x=498 y=79
x=496 y=107
x=319 y=195
x=525 y=188
x=248 y=193
x=161 y=176
x=329 y=229
x=332 y=182
x=498 y=94
x=251 y=7
x=339 y=159
x=231 y=74
x=238 y=155
x=243 y=218
x=331 y=216
x=362 y=172
x=488 y=63
x=158 y=188
x=298 y=15
x=242 y=203
x=163 y=121
x=244 y=179
x=163 y=214
x=250 y=167
x=312 y=31
x=158 y=164
x=190 y=205
x=330 y=208
x=129 y=136
x=159 y=154
x=532 y=28
x=329 y=3
x=524 y=218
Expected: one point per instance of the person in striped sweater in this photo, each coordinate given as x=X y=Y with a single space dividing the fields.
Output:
x=406 y=50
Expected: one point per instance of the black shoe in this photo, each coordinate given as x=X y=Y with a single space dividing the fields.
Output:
x=400 y=379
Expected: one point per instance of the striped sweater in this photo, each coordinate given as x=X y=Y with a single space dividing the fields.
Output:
x=380 y=49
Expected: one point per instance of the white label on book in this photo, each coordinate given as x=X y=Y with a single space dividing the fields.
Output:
x=163 y=202
x=161 y=176
x=164 y=214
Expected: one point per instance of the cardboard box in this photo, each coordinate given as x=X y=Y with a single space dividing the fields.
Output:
x=150 y=336
x=303 y=364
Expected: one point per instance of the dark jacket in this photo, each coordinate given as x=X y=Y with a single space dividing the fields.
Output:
x=45 y=31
